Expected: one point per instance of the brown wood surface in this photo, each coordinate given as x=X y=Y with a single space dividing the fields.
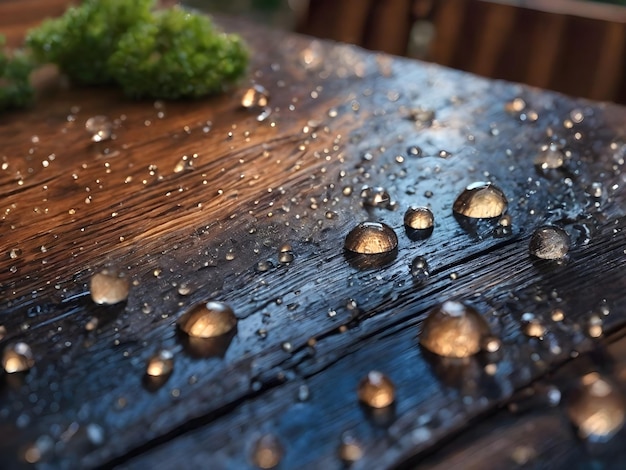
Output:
x=340 y=117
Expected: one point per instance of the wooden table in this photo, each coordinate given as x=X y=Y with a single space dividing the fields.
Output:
x=308 y=331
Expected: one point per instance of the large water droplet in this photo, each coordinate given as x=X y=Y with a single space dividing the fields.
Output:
x=550 y=157
x=371 y=245
x=596 y=408
x=267 y=451
x=17 y=357
x=480 y=200
x=453 y=329
x=108 y=288
x=371 y=238
x=100 y=128
x=549 y=242
x=376 y=390
x=208 y=320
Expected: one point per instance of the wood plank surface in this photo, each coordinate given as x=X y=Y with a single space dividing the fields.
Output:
x=309 y=330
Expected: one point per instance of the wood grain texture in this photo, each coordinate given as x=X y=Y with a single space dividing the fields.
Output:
x=339 y=118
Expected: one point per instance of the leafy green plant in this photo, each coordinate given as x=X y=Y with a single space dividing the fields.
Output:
x=15 y=70
x=168 y=54
x=81 y=41
x=176 y=55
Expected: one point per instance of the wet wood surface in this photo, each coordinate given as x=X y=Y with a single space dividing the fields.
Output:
x=308 y=330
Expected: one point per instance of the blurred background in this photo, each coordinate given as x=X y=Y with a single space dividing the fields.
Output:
x=573 y=46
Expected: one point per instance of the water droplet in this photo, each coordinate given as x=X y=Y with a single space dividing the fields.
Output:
x=100 y=128
x=184 y=290
x=161 y=364
x=303 y=392
x=558 y=315
x=267 y=451
x=420 y=270
x=596 y=408
x=92 y=324
x=594 y=326
x=419 y=218
x=371 y=238
x=263 y=266
x=550 y=157
x=549 y=242
x=515 y=106
x=285 y=257
x=504 y=227
x=185 y=163
x=414 y=151
x=376 y=390
x=533 y=326
x=350 y=449
x=371 y=245
x=453 y=329
x=480 y=200
x=208 y=320
x=108 y=288
x=595 y=190
x=375 y=197
x=255 y=97
x=15 y=253
x=17 y=357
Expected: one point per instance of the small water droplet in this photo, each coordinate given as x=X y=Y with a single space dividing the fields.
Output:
x=453 y=329
x=350 y=449
x=263 y=266
x=595 y=190
x=594 y=326
x=267 y=452
x=371 y=238
x=414 y=151
x=255 y=97
x=303 y=393
x=420 y=270
x=208 y=320
x=480 y=200
x=107 y=288
x=375 y=197
x=596 y=408
x=17 y=357
x=419 y=218
x=376 y=390
x=185 y=163
x=285 y=257
x=184 y=290
x=161 y=364
x=549 y=242
x=100 y=128
x=533 y=326
x=558 y=315
x=550 y=157
x=515 y=106
x=92 y=324
x=15 y=253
